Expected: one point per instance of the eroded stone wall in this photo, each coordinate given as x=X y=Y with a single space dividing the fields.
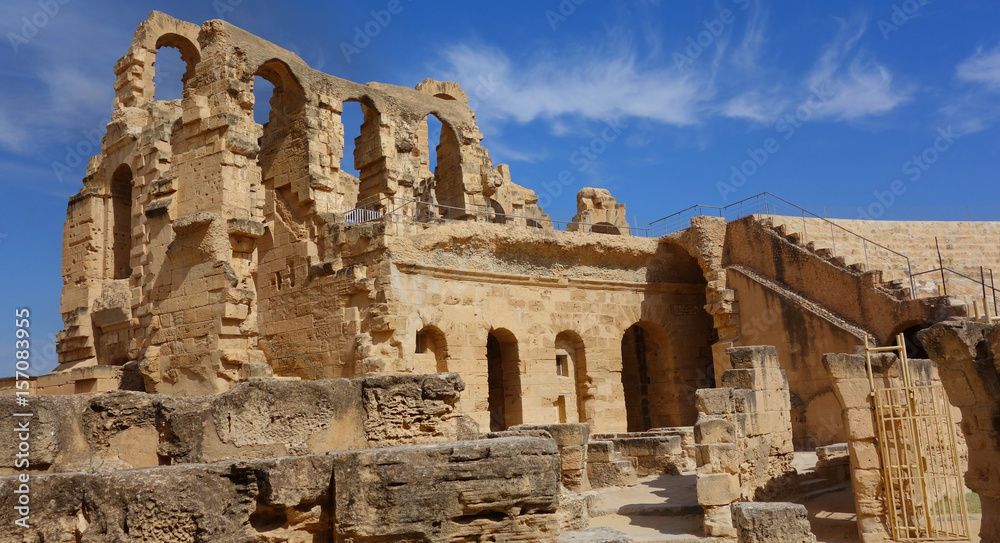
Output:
x=259 y=419
x=966 y=355
x=503 y=489
x=854 y=391
x=743 y=438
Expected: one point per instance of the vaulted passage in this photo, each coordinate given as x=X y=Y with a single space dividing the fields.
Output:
x=504 y=380
x=121 y=217
x=649 y=398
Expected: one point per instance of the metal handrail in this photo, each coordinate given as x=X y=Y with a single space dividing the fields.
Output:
x=763 y=206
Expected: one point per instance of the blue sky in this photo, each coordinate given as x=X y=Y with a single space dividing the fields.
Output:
x=838 y=104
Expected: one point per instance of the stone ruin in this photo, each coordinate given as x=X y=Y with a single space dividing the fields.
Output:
x=261 y=346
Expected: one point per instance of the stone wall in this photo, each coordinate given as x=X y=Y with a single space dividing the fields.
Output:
x=260 y=419
x=853 y=389
x=966 y=354
x=744 y=437
x=965 y=246
x=501 y=489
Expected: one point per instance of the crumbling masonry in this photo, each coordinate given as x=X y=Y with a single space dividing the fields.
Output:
x=423 y=354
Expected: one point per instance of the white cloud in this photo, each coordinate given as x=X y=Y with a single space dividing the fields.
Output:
x=597 y=85
x=756 y=106
x=850 y=83
x=974 y=108
x=982 y=67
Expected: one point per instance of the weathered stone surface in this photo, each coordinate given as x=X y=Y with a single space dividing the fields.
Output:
x=595 y=535
x=771 y=523
x=504 y=489
x=258 y=419
x=447 y=492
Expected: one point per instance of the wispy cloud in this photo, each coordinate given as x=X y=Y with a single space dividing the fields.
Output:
x=983 y=67
x=735 y=82
x=596 y=85
x=850 y=81
x=974 y=107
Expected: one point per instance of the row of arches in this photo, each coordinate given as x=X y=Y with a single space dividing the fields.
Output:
x=653 y=395
x=278 y=97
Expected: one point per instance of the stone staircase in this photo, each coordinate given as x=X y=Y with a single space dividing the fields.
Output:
x=898 y=288
x=848 y=290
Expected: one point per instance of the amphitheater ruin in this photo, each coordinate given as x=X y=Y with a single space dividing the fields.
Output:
x=260 y=346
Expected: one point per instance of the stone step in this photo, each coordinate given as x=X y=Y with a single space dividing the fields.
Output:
x=826 y=490
x=815 y=483
x=649 y=510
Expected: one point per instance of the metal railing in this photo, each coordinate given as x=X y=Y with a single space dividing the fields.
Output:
x=766 y=204
x=430 y=212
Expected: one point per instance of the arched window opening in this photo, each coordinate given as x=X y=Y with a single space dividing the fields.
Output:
x=121 y=216
x=650 y=400
x=174 y=64
x=504 y=380
x=263 y=91
x=354 y=119
x=606 y=228
x=497 y=213
x=430 y=151
x=431 y=350
x=574 y=387
x=168 y=74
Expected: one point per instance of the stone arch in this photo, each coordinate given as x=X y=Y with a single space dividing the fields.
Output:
x=371 y=151
x=647 y=377
x=606 y=228
x=914 y=347
x=135 y=71
x=430 y=350
x=120 y=192
x=190 y=55
x=578 y=388
x=449 y=184
x=497 y=214
x=504 y=379
x=289 y=96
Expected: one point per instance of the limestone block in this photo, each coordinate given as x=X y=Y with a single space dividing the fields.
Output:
x=722 y=457
x=719 y=522
x=717 y=488
x=601 y=451
x=758 y=356
x=617 y=473
x=714 y=401
x=714 y=430
x=771 y=523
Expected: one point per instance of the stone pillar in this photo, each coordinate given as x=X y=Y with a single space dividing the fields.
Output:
x=572 y=442
x=965 y=353
x=743 y=437
x=853 y=390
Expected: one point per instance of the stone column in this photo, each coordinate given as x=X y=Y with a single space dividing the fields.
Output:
x=965 y=353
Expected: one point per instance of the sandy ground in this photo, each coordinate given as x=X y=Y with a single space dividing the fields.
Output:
x=664 y=503
x=833 y=521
